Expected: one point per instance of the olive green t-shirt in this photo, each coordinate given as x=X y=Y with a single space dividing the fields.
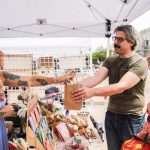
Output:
x=131 y=101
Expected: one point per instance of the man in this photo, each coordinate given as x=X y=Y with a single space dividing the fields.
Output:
x=127 y=72
x=8 y=79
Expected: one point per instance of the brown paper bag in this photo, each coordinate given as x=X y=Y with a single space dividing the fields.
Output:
x=69 y=103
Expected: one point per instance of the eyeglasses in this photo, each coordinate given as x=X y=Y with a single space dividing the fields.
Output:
x=119 y=39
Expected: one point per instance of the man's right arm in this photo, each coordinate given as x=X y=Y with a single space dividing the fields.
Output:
x=96 y=79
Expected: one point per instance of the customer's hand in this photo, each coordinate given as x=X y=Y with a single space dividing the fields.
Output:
x=8 y=110
x=67 y=76
x=70 y=74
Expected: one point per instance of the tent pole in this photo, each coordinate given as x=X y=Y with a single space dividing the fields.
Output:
x=91 y=64
x=108 y=46
x=91 y=74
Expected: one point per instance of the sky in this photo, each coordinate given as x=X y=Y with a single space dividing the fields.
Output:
x=140 y=23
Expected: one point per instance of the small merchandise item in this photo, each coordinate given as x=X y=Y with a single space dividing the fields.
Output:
x=63 y=131
x=76 y=146
x=37 y=115
x=75 y=128
x=83 y=114
x=77 y=138
x=57 y=107
x=76 y=124
x=9 y=126
x=54 y=119
x=20 y=143
x=40 y=135
x=78 y=120
x=51 y=106
x=31 y=122
x=72 y=127
x=12 y=145
x=89 y=133
x=34 y=118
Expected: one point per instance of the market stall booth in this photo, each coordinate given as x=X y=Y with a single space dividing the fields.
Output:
x=48 y=126
x=65 y=18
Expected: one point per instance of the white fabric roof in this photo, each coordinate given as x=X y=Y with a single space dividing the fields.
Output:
x=66 y=18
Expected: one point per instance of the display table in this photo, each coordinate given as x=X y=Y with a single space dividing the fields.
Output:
x=60 y=144
x=64 y=124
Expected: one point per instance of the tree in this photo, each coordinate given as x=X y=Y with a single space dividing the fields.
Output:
x=100 y=56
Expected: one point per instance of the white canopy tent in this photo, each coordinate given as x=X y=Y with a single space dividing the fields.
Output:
x=66 y=18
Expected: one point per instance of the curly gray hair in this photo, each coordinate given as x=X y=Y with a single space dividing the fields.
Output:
x=131 y=34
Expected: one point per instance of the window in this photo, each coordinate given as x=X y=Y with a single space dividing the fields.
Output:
x=146 y=44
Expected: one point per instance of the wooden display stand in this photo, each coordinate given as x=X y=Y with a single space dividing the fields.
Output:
x=31 y=136
x=32 y=139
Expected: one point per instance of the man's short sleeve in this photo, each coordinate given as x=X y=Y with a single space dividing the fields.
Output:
x=109 y=61
x=140 y=68
x=106 y=63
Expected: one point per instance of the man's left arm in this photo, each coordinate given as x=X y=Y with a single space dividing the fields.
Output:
x=127 y=81
x=136 y=73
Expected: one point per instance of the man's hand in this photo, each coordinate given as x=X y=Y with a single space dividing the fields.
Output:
x=8 y=110
x=82 y=93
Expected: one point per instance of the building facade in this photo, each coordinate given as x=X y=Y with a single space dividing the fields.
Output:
x=143 y=47
x=77 y=62
x=1 y=60
x=50 y=66
x=19 y=64
x=43 y=65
